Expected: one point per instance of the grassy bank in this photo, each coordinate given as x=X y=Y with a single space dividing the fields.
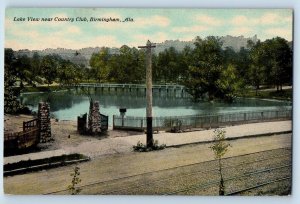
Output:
x=286 y=94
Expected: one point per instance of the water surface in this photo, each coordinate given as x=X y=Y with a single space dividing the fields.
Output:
x=67 y=105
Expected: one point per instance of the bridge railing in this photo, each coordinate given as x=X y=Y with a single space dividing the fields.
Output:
x=177 y=123
x=107 y=85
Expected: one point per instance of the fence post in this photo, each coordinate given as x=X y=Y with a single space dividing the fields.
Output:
x=24 y=126
x=245 y=116
x=276 y=114
x=142 y=123
x=262 y=115
x=113 y=122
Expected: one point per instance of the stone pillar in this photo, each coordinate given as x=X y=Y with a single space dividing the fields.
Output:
x=94 y=121
x=44 y=122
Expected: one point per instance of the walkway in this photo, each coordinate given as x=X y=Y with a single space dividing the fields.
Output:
x=118 y=145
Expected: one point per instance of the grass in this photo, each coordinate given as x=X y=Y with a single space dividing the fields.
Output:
x=286 y=94
x=39 y=164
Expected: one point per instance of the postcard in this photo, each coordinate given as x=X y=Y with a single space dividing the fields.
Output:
x=127 y=101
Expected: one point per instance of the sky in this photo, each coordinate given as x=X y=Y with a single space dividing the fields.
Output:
x=156 y=25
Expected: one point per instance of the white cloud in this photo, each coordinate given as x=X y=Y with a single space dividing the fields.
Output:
x=241 y=20
x=155 y=20
x=281 y=32
x=191 y=29
x=209 y=20
x=141 y=22
x=270 y=18
x=266 y=19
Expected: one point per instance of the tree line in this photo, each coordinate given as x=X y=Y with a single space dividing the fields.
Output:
x=207 y=70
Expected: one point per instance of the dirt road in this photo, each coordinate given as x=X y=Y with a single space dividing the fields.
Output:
x=127 y=164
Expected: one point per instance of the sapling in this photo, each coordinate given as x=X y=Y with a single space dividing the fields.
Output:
x=220 y=147
x=73 y=189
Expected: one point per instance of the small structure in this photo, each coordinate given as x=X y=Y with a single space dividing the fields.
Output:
x=81 y=124
x=97 y=123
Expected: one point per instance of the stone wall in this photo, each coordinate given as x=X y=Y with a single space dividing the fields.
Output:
x=94 y=120
x=44 y=122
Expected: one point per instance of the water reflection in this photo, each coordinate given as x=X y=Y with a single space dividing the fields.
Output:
x=67 y=105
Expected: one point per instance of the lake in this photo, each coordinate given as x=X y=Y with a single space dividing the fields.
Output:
x=67 y=105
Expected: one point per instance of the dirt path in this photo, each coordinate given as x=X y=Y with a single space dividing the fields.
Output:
x=120 y=165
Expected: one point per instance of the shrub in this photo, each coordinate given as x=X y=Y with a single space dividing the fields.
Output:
x=140 y=147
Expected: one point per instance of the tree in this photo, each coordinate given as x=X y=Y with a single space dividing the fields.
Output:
x=279 y=62
x=169 y=64
x=219 y=148
x=67 y=73
x=242 y=64
x=205 y=68
x=49 y=68
x=229 y=84
x=185 y=58
x=12 y=73
x=99 y=63
x=258 y=65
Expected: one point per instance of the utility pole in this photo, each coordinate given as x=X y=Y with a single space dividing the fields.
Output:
x=148 y=47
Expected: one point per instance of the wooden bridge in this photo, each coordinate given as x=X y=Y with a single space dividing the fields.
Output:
x=166 y=87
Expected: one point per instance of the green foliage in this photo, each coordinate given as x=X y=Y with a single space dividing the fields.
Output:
x=140 y=147
x=219 y=148
x=73 y=189
x=23 y=73
x=208 y=71
x=99 y=64
x=271 y=63
x=285 y=94
x=49 y=67
x=205 y=68
x=229 y=84
x=11 y=102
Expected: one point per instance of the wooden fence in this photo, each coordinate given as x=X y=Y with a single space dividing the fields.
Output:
x=24 y=139
x=178 y=123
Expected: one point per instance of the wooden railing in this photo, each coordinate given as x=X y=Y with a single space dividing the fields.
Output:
x=26 y=138
x=105 y=85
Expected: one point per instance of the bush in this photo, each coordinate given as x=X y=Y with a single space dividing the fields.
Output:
x=140 y=147
x=174 y=124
